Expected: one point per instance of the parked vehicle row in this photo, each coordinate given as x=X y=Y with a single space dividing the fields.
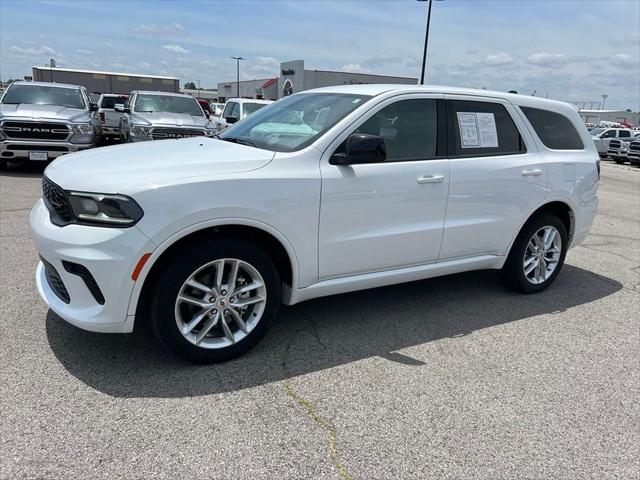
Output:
x=41 y=121
x=325 y=191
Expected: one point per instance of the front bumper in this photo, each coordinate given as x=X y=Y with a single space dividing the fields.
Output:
x=18 y=150
x=109 y=254
x=110 y=131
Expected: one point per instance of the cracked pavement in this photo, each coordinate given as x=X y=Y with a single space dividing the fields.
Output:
x=455 y=377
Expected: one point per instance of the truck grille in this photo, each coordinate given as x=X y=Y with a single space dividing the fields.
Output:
x=615 y=144
x=36 y=130
x=634 y=146
x=56 y=201
x=169 y=133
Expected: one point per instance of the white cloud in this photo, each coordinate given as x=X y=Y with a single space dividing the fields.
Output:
x=498 y=59
x=544 y=59
x=174 y=29
x=623 y=60
x=172 y=47
x=354 y=68
x=626 y=39
x=261 y=67
x=85 y=52
x=43 y=50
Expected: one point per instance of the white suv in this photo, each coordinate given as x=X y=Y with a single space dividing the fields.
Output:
x=323 y=192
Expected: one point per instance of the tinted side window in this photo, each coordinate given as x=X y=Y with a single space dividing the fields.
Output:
x=554 y=130
x=409 y=127
x=227 y=109
x=235 y=112
x=609 y=134
x=624 y=133
x=482 y=129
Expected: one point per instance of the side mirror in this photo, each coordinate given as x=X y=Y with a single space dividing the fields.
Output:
x=93 y=107
x=361 y=148
x=231 y=119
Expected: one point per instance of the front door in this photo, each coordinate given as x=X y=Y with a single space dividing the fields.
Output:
x=387 y=215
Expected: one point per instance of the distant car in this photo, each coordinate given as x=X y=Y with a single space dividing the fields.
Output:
x=217 y=108
x=633 y=154
x=602 y=136
x=40 y=121
x=237 y=109
x=162 y=116
x=109 y=118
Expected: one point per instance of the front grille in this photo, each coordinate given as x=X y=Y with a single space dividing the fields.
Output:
x=36 y=130
x=634 y=146
x=615 y=144
x=57 y=202
x=55 y=282
x=162 y=133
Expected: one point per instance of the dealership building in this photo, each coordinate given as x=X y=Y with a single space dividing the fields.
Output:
x=294 y=78
x=106 y=82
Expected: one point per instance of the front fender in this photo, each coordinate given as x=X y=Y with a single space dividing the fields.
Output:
x=177 y=236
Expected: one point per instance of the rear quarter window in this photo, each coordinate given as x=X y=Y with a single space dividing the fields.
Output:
x=554 y=129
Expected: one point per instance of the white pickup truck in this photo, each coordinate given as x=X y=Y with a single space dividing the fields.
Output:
x=109 y=118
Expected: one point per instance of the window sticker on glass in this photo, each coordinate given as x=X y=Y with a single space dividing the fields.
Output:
x=477 y=130
x=468 y=130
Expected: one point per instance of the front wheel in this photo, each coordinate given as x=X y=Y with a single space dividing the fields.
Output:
x=215 y=300
x=537 y=255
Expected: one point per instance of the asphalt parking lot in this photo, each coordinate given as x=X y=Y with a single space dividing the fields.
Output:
x=455 y=377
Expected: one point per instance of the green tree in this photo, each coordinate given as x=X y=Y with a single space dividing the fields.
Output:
x=190 y=86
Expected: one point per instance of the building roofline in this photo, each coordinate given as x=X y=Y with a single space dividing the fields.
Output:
x=77 y=70
x=361 y=73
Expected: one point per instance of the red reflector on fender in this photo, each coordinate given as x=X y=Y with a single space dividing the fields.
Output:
x=140 y=266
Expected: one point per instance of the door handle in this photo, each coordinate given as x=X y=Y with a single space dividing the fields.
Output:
x=430 y=179
x=532 y=173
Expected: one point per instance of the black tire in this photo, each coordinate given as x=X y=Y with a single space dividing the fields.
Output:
x=513 y=269
x=619 y=162
x=167 y=284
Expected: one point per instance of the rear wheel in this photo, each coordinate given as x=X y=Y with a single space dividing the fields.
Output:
x=215 y=300
x=537 y=255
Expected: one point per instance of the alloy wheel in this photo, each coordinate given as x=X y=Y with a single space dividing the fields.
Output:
x=220 y=303
x=542 y=255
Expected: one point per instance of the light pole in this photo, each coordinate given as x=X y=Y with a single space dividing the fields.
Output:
x=604 y=99
x=426 y=42
x=237 y=59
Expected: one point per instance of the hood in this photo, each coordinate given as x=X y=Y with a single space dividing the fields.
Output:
x=140 y=166
x=168 y=119
x=44 y=112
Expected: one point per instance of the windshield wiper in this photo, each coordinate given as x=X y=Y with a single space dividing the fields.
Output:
x=240 y=141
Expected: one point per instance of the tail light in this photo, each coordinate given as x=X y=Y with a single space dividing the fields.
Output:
x=102 y=117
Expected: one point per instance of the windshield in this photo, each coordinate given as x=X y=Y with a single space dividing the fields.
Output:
x=111 y=102
x=597 y=131
x=250 y=108
x=43 y=95
x=167 y=103
x=294 y=122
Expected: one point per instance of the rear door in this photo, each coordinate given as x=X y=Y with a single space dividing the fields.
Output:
x=497 y=178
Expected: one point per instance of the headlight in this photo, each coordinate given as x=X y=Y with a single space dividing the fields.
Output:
x=83 y=128
x=106 y=210
x=139 y=131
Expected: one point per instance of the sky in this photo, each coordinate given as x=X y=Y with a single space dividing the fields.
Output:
x=571 y=50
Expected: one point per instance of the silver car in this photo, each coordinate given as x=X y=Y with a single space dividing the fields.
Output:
x=40 y=121
x=162 y=116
